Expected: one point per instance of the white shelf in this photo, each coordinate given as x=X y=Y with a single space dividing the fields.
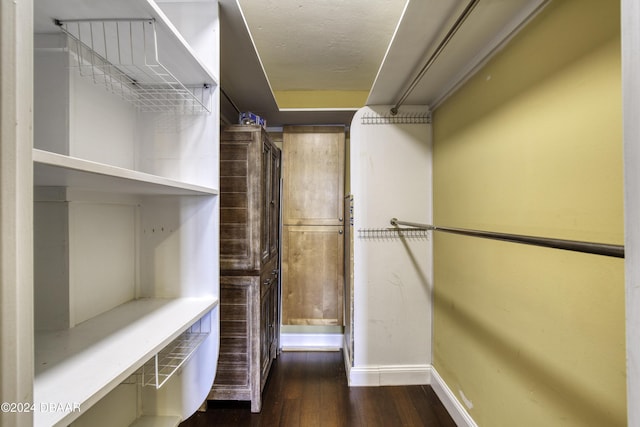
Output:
x=175 y=53
x=147 y=421
x=81 y=365
x=52 y=169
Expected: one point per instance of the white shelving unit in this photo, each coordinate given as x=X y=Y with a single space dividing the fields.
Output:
x=126 y=209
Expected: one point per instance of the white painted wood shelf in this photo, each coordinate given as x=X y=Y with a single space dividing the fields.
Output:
x=147 y=421
x=52 y=169
x=174 y=51
x=82 y=364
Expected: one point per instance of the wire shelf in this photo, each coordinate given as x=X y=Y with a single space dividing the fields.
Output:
x=411 y=118
x=122 y=56
x=167 y=361
x=392 y=233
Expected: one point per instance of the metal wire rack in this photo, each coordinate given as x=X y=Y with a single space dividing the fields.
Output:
x=122 y=56
x=372 y=118
x=167 y=361
x=392 y=233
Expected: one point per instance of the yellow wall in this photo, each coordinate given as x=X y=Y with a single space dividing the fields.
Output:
x=321 y=98
x=532 y=145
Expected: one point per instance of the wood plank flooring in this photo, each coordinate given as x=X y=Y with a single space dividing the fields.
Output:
x=310 y=389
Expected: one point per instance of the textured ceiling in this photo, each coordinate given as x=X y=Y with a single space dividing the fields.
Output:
x=317 y=62
x=335 y=46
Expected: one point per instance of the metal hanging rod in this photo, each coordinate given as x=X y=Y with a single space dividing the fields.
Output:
x=616 y=251
x=396 y=222
x=445 y=41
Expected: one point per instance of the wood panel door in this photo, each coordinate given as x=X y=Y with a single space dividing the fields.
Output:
x=241 y=200
x=313 y=175
x=313 y=225
x=312 y=275
x=274 y=220
x=266 y=200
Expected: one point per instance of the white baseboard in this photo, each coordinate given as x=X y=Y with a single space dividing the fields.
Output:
x=411 y=375
x=382 y=375
x=310 y=342
x=389 y=375
x=457 y=411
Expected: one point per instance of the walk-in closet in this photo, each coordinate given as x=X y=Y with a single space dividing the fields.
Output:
x=408 y=212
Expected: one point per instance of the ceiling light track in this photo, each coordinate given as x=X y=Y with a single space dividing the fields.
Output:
x=443 y=44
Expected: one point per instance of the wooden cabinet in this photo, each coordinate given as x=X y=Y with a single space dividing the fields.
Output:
x=313 y=225
x=125 y=174
x=314 y=277
x=249 y=198
x=249 y=263
x=268 y=319
x=313 y=175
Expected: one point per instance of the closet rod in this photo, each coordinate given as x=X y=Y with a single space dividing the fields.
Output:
x=616 y=251
x=445 y=41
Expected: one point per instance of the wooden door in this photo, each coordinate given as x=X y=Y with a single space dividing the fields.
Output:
x=274 y=219
x=241 y=198
x=312 y=275
x=267 y=180
x=313 y=225
x=313 y=174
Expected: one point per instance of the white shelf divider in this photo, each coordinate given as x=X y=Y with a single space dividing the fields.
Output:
x=79 y=366
x=53 y=169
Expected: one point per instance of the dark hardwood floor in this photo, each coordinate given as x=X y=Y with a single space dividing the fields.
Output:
x=307 y=389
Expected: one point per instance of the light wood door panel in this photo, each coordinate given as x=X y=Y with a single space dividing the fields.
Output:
x=313 y=175
x=312 y=275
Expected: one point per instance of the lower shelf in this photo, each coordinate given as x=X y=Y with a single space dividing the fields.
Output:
x=75 y=368
x=156 y=422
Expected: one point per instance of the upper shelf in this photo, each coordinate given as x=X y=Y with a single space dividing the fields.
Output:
x=52 y=169
x=134 y=50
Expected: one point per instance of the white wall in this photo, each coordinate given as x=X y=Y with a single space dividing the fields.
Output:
x=631 y=98
x=391 y=177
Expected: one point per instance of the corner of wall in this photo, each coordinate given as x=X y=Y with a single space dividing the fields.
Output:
x=457 y=411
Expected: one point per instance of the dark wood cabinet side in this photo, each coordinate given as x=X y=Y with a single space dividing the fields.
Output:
x=249 y=263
